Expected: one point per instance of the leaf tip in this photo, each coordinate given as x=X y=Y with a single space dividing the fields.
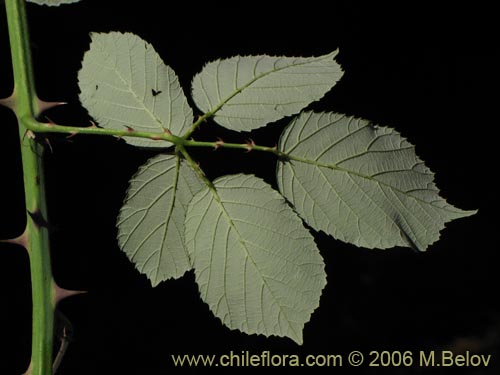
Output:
x=154 y=282
x=467 y=213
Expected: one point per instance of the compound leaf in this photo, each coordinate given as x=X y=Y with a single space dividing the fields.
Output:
x=53 y=3
x=256 y=266
x=245 y=93
x=125 y=84
x=361 y=183
x=151 y=221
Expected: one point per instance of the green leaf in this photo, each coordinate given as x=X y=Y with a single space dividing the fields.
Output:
x=245 y=93
x=125 y=84
x=361 y=183
x=53 y=3
x=151 y=221
x=256 y=266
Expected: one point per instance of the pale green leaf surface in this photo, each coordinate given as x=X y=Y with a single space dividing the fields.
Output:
x=151 y=221
x=361 y=183
x=124 y=83
x=256 y=266
x=53 y=3
x=246 y=93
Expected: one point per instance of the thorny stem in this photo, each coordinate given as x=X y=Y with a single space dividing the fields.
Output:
x=39 y=127
x=248 y=146
x=25 y=104
x=180 y=149
x=198 y=171
x=197 y=123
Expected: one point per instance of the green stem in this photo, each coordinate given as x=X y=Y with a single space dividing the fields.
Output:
x=196 y=167
x=24 y=82
x=198 y=122
x=249 y=146
x=39 y=127
x=25 y=105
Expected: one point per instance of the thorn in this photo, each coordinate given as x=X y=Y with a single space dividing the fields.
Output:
x=38 y=219
x=61 y=293
x=29 y=370
x=92 y=124
x=50 y=146
x=9 y=102
x=43 y=106
x=65 y=336
x=201 y=170
x=129 y=129
x=218 y=144
x=71 y=134
x=50 y=122
x=167 y=131
x=200 y=116
x=250 y=144
x=21 y=240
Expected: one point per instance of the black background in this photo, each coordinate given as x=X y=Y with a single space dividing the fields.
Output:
x=426 y=71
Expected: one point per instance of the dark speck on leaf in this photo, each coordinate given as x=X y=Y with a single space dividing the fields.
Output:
x=96 y=87
x=154 y=92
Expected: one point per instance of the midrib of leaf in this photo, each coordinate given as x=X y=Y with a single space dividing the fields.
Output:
x=139 y=100
x=174 y=189
x=252 y=81
x=371 y=199
x=370 y=178
x=169 y=215
x=248 y=256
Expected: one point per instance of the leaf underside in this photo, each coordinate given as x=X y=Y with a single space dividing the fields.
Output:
x=246 y=93
x=151 y=221
x=125 y=84
x=256 y=266
x=361 y=183
x=53 y=3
